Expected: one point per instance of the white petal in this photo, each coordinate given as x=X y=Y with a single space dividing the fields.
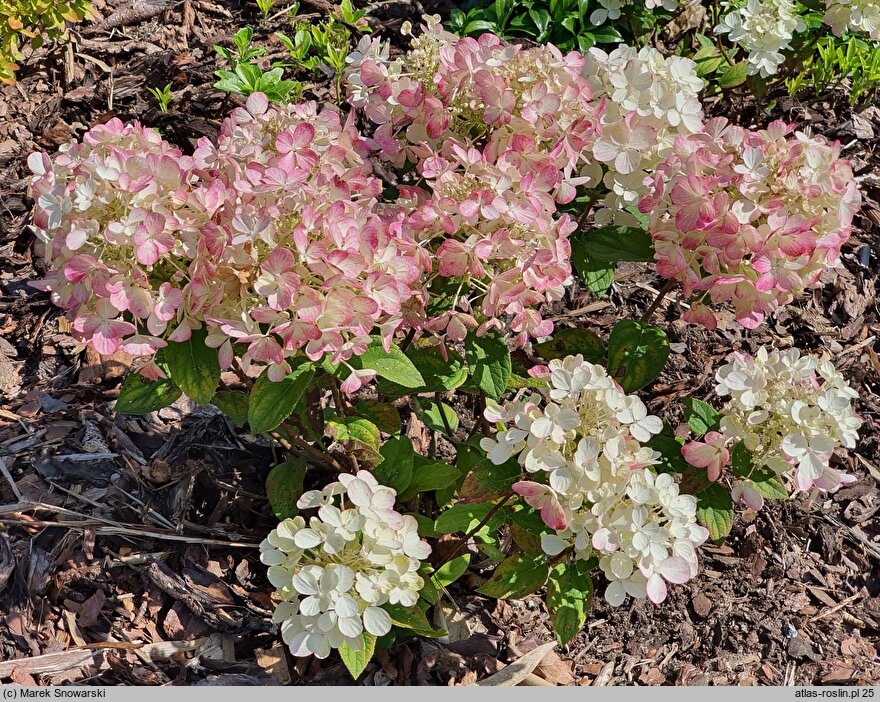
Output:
x=615 y=594
x=307 y=538
x=377 y=621
x=350 y=626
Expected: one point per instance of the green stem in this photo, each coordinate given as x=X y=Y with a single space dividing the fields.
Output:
x=716 y=14
x=437 y=400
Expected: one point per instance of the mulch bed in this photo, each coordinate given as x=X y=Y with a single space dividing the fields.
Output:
x=140 y=566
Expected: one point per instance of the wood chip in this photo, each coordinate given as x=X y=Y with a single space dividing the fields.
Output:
x=520 y=669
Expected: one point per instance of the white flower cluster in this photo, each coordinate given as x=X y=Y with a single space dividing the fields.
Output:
x=336 y=571
x=789 y=410
x=765 y=29
x=610 y=9
x=853 y=15
x=601 y=498
x=649 y=100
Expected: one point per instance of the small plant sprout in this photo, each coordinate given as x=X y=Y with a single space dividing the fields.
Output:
x=163 y=96
x=265 y=8
x=247 y=77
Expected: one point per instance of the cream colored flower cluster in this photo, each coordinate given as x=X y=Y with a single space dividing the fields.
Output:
x=593 y=484
x=335 y=571
x=791 y=412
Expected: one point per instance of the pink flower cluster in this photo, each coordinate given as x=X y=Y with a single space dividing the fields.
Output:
x=749 y=217
x=499 y=136
x=273 y=239
x=112 y=214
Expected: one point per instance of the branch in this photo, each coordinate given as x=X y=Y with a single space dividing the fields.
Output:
x=667 y=286
x=467 y=537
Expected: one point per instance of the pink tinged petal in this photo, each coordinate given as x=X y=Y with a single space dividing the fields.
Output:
x=698 y=454
x=359 y=493
x=602 y=540
x=745 y=494
x=257 y=103
x=383 y=498
x=554 y=516
x=76 y=238
x=675 y=569
x=605 y=150
x=279 y=261
x=656 y=588
x=627 y=161
x=749 y=319
x=39 y=163
x=391 y=518
x=529 y=488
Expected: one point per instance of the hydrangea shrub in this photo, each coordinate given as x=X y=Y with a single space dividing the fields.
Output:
x=312 y=258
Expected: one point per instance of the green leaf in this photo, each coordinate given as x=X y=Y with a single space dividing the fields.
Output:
x=597 y=275
x=569 y=596
x=194 y=367
x=709 y=66
x=606 y=35
x=412 y=618
x=489 y=361
x=434 y=420
x=354 y=429
x=572 y=341
x=383 y=414
x=392 y=364
x=734 y=75
x=271 y=403
x=478 y=26
x=517 y=382
x=527 y=528
x=541 y=18
x=395 y=471
x=700 y=416
x=464 y=517
x=516 y=577
x=440 y=374
x=671 y=458
x=613 y=244
x=356 y=661
x=715 y=511
x=448 y=573
x=741 y=461
x=426 y=526
x=284 y=486
x=486 y=481
x=637 y=353
x=141 y=396
x=769 y=484
x=233 y=404
x=429 y=475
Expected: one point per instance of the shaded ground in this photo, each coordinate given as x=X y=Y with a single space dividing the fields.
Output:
x=139 y=567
